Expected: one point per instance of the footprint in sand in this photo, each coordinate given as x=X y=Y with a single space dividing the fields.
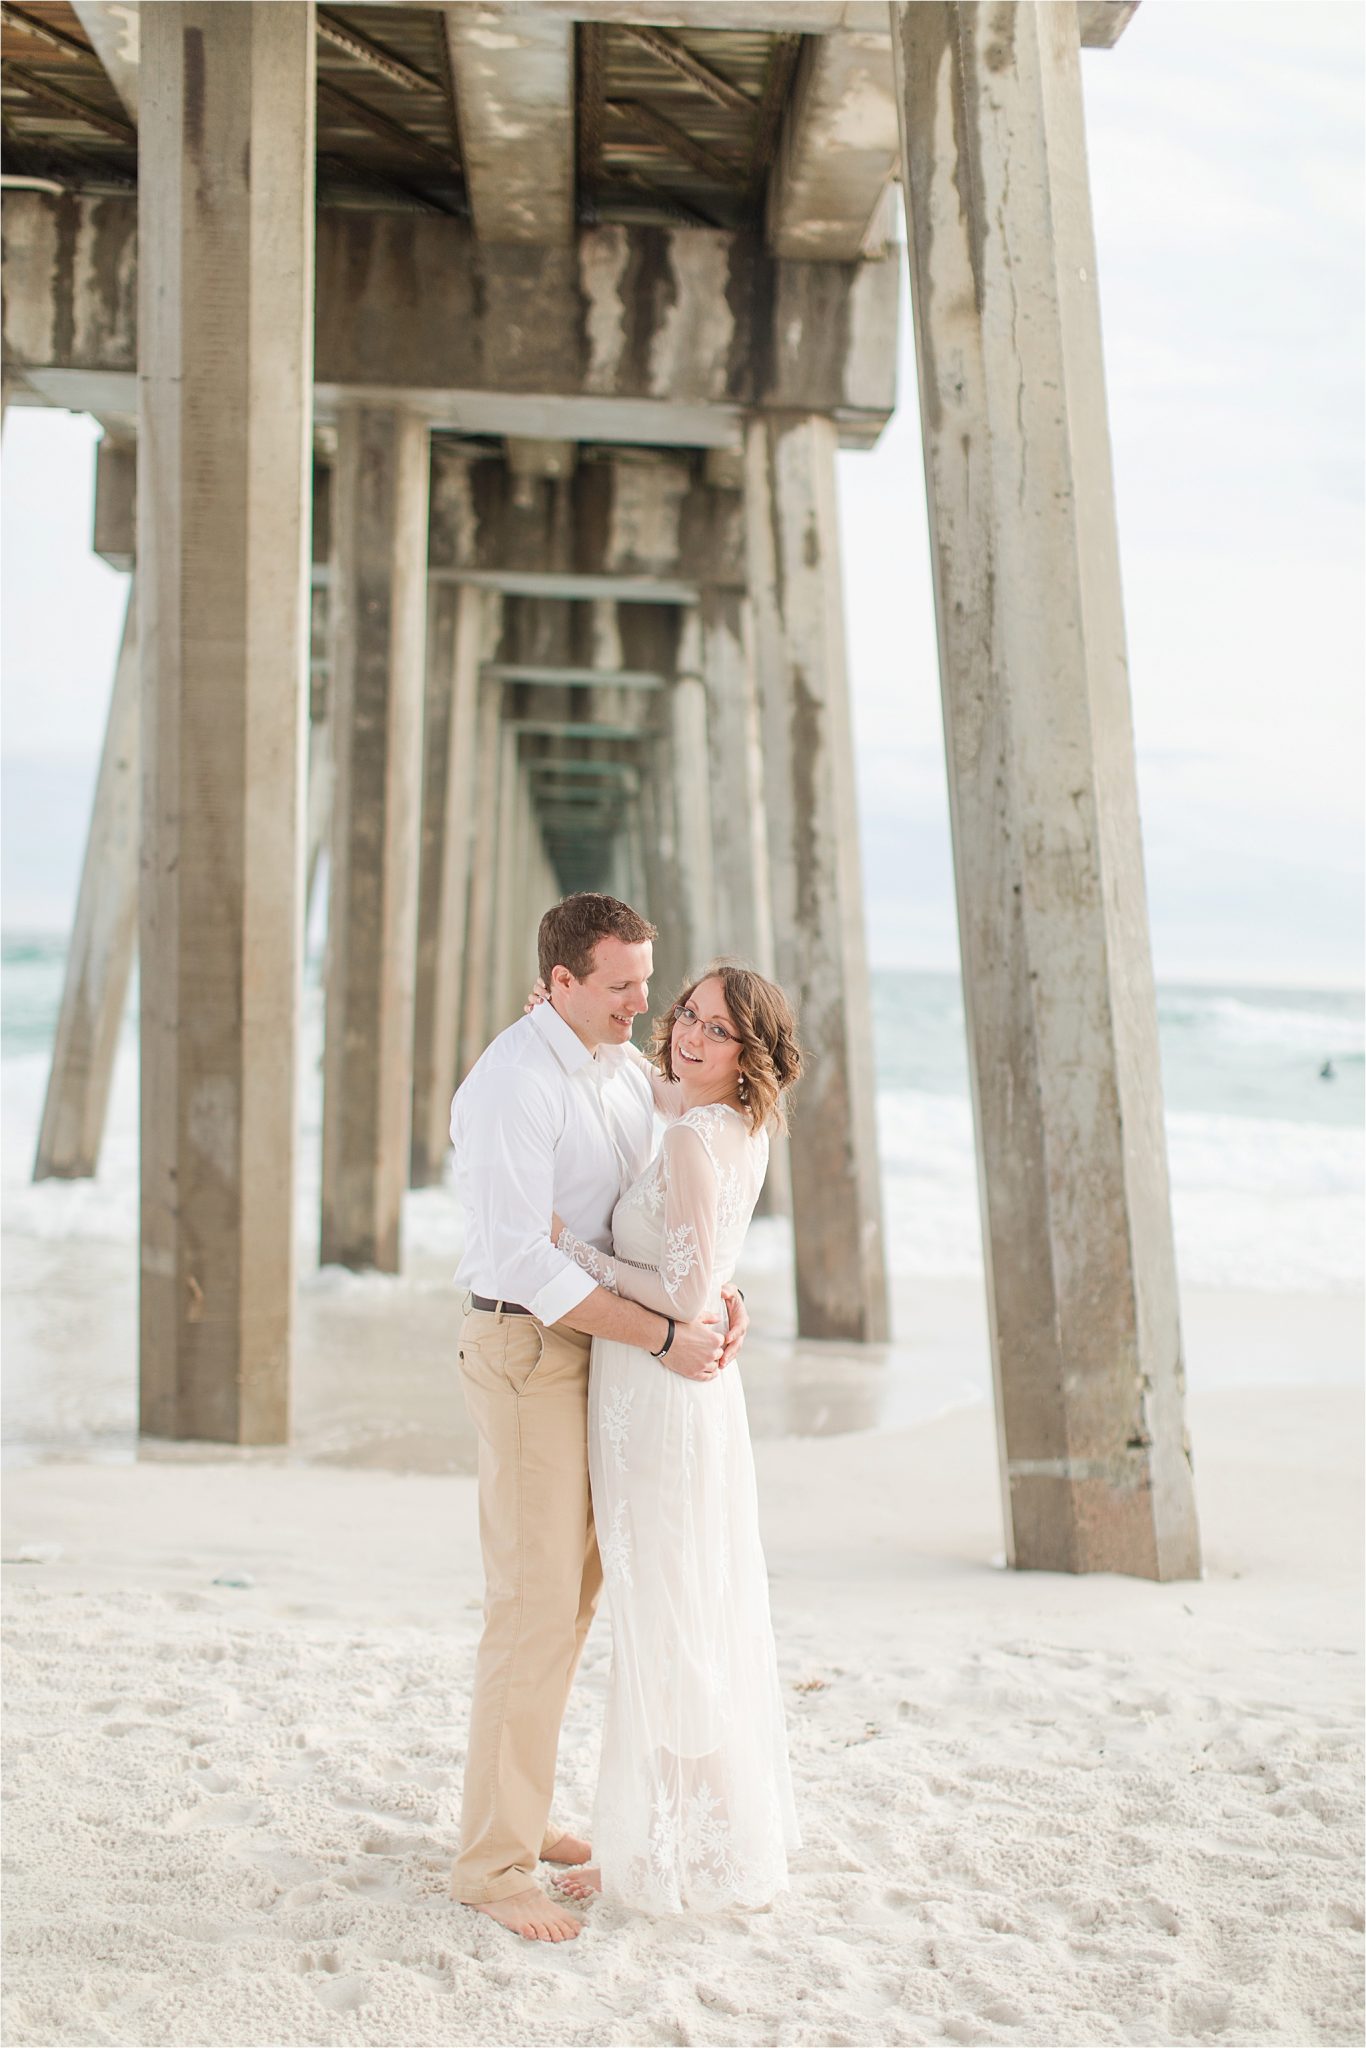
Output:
x=1203 y=2011
x=343 y=1994
x=216 y=1813
x=208 y=1780
x=307 y=1963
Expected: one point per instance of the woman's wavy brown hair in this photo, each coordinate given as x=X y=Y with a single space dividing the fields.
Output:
x=770 y=1057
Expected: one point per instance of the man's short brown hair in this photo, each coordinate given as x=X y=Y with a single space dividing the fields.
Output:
x=569 y=932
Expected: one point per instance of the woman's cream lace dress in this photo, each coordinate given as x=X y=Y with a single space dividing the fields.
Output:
x=694 y=1806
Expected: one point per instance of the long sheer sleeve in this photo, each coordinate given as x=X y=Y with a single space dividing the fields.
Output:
x=596 y=1264
x=680 y=1285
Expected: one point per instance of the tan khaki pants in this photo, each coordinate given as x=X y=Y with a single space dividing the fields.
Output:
x=526 y=1387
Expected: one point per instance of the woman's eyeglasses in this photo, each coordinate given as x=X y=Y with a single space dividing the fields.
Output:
x=717 y=1033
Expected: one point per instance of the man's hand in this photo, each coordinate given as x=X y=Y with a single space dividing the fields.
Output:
x=737 y=1325
x=695 y=1353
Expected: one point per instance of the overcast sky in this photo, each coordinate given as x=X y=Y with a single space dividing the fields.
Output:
x=1227 y=176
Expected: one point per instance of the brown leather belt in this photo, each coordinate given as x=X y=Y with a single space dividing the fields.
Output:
x=491 y=1308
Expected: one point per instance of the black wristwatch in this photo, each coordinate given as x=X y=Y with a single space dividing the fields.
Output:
x=667 y=1341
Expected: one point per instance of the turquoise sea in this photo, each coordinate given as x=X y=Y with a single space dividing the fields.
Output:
x=1264 y=1096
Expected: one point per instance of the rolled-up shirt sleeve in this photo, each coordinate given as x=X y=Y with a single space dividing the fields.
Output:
x=508 y=1154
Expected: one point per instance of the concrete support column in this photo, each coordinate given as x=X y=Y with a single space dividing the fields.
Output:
x=743 y=900
x=509 y=942
x=225 y=327
x=320 y=765
x=100 y=958
x=533 y=896
x=547 y=881
x=660 y=851
x=379 y=514
x=820 y=957
x=692 y=805
x=743 y=904
x=1061 y=1012
x=454 y=638
x=476 y=998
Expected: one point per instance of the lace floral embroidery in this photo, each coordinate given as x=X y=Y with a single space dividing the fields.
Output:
x=681 y=1253
x=616 y=1422
x=593 y=1262
x=648 y=1192
x=614 y=1548
x=690 y=1842
x=729 y=1196
x=708 y=1121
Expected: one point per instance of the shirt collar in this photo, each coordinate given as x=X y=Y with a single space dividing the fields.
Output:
x=568 y=1048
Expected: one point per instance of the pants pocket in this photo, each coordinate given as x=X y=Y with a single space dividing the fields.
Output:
x=502 y=1353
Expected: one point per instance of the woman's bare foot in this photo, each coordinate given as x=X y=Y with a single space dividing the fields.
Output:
x=580 y=1884
x=532 y=1915
x=567 y=1849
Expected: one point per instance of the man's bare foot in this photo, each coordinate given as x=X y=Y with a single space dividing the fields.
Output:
x=532 y=1915
x=580 y=1884
x=567 y=1849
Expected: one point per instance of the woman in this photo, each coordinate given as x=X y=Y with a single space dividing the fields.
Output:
x=694 y=1805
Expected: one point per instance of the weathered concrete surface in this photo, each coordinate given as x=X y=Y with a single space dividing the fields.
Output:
x=838 y=151
x=514 y=89
x=477 y=1006
x=513 y=942
x=643 y=513
x=718 y=645
x=379 y=514
x=1101 y=20
x=1061 y=1012
x=720 y=637
x=814 y=864
x=226 y=313
x=646 y=334
x=70 y=278
x=321 y=777
x=455 y=629
x=100 y=956
x=661 y=855
x=692 y=803
x=116 y=501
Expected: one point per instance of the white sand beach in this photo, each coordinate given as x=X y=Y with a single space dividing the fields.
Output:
x=1036 y=1808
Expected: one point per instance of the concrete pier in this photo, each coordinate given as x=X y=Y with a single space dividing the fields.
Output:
x=379 y=515
x=812 y=817
x=225 y=323
x=620 y=297
x=688 y=760
x=455 y=628
x=743 y=907
x=476 y=997
x=103 y=938
x=510 y=944
x=1095 y=1461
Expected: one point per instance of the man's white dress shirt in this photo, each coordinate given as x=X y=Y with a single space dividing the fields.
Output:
x=540 y=1124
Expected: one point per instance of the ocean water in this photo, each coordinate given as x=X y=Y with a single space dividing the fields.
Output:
x=1264 y=1095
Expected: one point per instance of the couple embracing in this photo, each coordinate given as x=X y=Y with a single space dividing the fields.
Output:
x=614 y=1449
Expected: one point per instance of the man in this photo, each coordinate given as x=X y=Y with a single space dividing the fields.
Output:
x=555 y=1117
